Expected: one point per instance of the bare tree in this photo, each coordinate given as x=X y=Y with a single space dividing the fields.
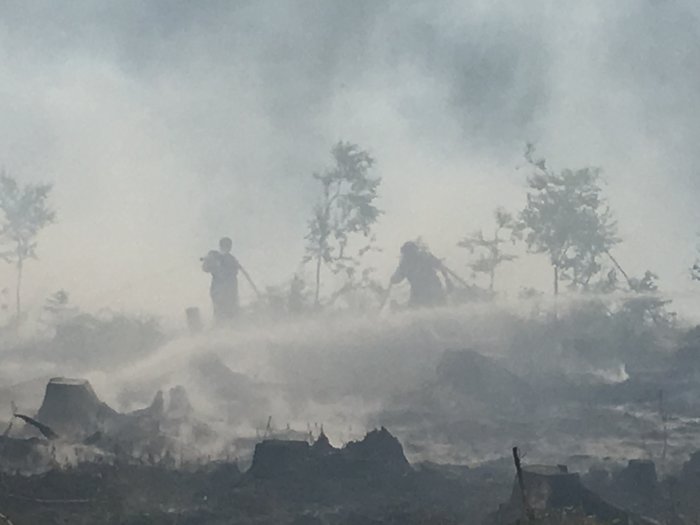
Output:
x=489 y=251
x=345 y=210
x=25 y=212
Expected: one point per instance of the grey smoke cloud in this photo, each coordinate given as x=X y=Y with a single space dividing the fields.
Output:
x=165 y=125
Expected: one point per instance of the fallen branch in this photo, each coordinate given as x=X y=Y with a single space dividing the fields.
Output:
x=50 y=501
x=5 y=519
x=44 y=429
x=623 y=272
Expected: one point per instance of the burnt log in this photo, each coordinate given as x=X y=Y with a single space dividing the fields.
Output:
x=46 y=431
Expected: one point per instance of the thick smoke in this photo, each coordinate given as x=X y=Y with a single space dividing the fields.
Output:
x=164 y=125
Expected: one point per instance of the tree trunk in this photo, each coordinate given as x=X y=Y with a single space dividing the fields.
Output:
x=493 y=278
x=318 y=280
x=623 y=272
x=18 y=301
x=556 y=280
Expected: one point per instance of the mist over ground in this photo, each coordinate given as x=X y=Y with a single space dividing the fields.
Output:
x=337 y=393
x=164 y=126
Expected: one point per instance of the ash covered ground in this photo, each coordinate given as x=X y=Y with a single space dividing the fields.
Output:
x=392 y=175
x=437 y=398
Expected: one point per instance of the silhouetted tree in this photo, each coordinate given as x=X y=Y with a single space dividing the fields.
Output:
x=489 y=251
x=57 y=303
x=25 y=212
x=647 y=284
x=358 y=287
x=567 y=218
x=57 y=310
x=345 y=209
x=695 y=270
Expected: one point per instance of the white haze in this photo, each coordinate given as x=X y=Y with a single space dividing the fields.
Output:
x=165 y=125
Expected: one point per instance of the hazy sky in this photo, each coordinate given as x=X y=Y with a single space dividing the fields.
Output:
x=165 y=125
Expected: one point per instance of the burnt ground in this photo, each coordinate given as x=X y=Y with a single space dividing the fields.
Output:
x=288 y=482
x=589 y=389
x=365 y=482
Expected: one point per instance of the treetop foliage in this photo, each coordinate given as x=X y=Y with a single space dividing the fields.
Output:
x=346 y=208
x=567 y=217
x=25 y=212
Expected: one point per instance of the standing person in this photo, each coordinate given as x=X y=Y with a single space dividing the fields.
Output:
x=420 y=268
x=224 y=268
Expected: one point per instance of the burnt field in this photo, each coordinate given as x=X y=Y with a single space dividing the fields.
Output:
x=410 y=418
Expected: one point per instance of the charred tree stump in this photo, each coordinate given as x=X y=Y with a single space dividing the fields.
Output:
x=72 y=408
x=541 y=491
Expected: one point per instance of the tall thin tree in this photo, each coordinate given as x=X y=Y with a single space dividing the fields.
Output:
x=25 y=212
x=345 y=210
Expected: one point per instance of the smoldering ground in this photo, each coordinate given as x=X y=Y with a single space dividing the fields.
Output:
x=166 y=126
x=456 y=384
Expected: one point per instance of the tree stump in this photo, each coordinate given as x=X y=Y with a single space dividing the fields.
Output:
x=552 y=491
x=71 y=407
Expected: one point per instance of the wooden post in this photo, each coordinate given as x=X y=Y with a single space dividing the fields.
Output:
x=72 y=408
x=521 y=484
x=194 y=320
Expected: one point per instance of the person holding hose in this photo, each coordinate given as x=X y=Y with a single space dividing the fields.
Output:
x=224 y=268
